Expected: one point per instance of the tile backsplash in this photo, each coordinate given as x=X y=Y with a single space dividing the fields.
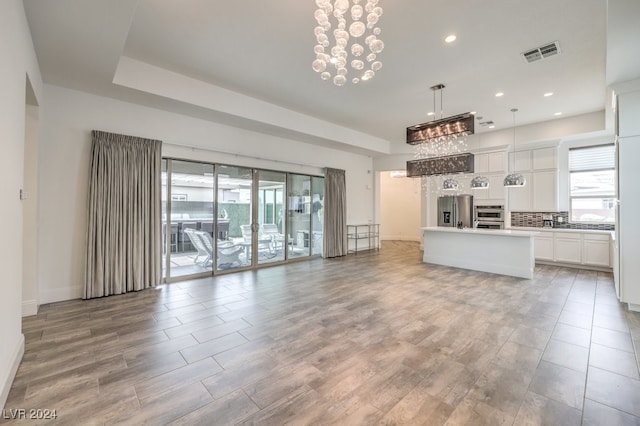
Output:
x=534 y=220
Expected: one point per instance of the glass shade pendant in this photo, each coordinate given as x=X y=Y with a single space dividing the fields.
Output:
x=479 y=182
x=353 y=26
x=450 y=185
x=514 y=179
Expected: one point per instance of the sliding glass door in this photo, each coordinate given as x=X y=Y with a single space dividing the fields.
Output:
x=317 y=215
x=188 y=218
x=272 y=240
x=235 y=196
x=299 y=214
x=221 y=218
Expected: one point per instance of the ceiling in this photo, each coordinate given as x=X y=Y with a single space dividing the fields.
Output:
x=264 y=49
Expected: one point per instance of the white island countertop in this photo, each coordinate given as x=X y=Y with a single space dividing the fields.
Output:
x=499 y=251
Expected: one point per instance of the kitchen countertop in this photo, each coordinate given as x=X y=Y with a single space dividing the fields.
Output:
x=471 y=231
x=585 y=231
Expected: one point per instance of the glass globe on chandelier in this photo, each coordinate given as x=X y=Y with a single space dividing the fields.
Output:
x=356 y=43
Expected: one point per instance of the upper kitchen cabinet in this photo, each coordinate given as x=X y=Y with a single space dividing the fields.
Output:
x=544 y=186
x=520 y=161
x=540 y=168
x=544 y=158
x=481 y=164
x=493 y=166
x=491 y=162
x=497 y=162
x=520 y=197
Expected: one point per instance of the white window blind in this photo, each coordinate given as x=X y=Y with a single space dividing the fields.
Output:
x=592 y=184
x=601 y=157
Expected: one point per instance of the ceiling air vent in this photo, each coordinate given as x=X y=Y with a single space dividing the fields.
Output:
x=549 y=49
x=486 y=123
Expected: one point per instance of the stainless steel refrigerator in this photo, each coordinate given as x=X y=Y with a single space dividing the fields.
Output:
x=455 y=210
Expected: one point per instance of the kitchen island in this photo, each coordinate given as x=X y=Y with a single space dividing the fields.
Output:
x=505 y=252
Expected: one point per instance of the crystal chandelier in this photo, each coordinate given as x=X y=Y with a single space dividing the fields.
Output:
x=355 y=36
x=440 y=148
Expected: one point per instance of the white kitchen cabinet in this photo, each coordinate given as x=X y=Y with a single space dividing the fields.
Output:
x=543 y=247
x=520 y=161
x=491 y=165
x=540 y=193
x=544 y=188
x=544 y=158
x=520 y=196
x=568 y=247
x=492 y=162
x=580 y=248
x=615 y=264
x=481 y=163
x=539 y=167
x=497 y=162
x=596 y=250
x=496 y=187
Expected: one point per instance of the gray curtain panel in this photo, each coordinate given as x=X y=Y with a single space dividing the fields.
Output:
x=124 y=243
x=335 y=213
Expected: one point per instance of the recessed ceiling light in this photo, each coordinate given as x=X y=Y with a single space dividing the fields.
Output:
x=499 y=94
x=492 y=126
x=546 y=95
x=557 y=113
x=473 y=112
x=450 y=38
x=431 y=113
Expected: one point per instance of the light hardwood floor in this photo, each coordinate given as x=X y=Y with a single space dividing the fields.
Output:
x=373 y=338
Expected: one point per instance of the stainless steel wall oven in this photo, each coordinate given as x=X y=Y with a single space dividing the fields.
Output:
x=489 y=217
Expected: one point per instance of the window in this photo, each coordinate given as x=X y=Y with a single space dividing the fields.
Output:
x=592 y=184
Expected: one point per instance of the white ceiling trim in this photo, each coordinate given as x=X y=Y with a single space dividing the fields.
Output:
x=141 y=76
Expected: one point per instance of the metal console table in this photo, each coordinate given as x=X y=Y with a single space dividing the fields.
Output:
x=363 y=237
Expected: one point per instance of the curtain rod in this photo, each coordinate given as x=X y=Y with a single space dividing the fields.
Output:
x=235 y=154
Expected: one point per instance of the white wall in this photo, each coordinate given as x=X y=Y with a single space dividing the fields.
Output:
x=30 y=214
x=17 y=60
x=64 y=165
x=400 y=208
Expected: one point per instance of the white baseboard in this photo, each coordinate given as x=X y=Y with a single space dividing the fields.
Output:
x=400 y=238
x=574 y=265
x=633 y=307
x=11 y=374
x=29 y=307
x=60 y=294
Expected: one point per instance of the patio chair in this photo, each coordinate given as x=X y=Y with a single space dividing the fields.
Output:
x=270 y=230
x=200 y=246
x=265 y=243
x=228 y=252
x=184 y=241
